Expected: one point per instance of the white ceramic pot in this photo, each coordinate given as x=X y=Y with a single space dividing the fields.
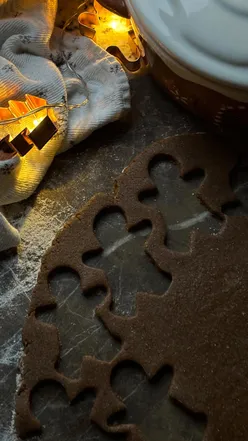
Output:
x=198 y=50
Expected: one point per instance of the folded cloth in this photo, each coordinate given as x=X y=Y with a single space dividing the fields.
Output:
x=31 y=62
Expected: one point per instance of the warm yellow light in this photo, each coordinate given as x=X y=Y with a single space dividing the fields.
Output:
x=18 y=109
x=36 y=122
x=113 y=24
x=111 y=32
x=116 y=23
x=32 y=122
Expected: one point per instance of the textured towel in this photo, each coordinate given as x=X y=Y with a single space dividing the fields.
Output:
x=31 y=62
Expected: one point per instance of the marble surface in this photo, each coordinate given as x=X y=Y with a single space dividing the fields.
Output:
x=73 y=178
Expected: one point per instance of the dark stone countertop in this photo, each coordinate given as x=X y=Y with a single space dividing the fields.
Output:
x=73 y=178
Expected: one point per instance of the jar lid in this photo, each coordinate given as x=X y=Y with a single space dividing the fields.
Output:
x=209 y=36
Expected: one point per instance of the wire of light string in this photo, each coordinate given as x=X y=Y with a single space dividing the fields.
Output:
x=70 y=67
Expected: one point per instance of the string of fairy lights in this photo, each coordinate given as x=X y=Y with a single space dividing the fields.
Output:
x=69 y=107
x=37 y=130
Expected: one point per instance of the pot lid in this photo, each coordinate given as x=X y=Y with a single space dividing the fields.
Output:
x=210 y=36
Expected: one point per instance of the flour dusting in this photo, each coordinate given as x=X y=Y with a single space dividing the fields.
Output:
x=38 y=226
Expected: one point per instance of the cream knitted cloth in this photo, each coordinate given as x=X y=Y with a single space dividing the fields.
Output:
x=31 y=62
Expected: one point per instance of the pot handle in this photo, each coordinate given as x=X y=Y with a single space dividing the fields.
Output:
x=116 y=6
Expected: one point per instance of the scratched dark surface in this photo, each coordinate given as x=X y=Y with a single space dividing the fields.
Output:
x=73 y=178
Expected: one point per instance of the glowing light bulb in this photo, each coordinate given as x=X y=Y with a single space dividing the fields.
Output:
x=114 y=24
x=36 y=122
